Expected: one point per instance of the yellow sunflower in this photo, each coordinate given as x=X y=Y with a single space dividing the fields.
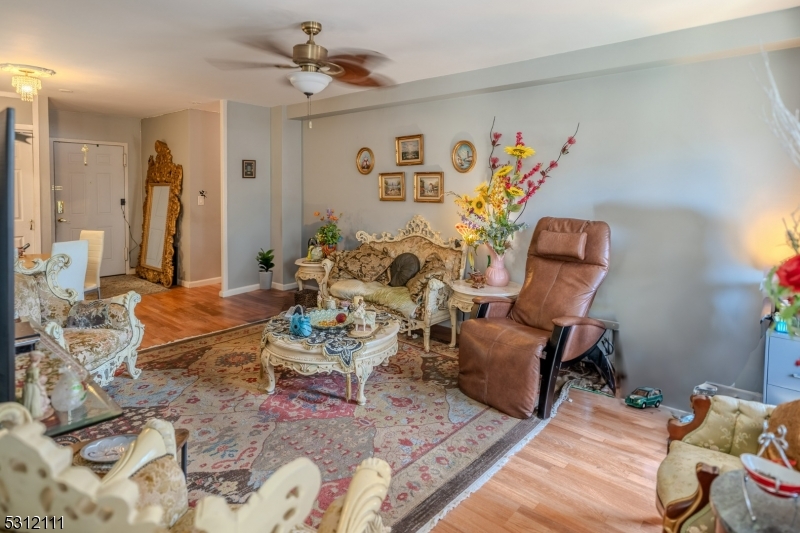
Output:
x=503 y=171
x=479 y=206
x=516 y=191
x=482 y=189
x=520 y=151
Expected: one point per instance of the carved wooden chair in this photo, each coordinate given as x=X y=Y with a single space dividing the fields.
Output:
x=145 y=492
x=723 y=428
x=100 y=334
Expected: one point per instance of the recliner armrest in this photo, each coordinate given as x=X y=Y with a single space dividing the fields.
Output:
x=493 y=306
x=584 y=332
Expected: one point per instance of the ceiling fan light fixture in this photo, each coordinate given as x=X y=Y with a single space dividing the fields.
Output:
x=309 y=83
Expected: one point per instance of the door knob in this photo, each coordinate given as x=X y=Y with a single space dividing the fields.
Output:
x=63 y=220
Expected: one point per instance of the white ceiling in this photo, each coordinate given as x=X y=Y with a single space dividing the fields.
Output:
x=148 y=57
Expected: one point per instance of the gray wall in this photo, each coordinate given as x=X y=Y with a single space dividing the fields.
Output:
x=676 y=159
x=108 y=128
x=24 y=110
x=193 y=139
x=205 y=220
x=248 y=200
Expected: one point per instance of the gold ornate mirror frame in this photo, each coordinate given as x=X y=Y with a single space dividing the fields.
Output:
x=161 y=171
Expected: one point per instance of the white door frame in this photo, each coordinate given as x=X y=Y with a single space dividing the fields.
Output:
x=127 y=231
x=37 y=206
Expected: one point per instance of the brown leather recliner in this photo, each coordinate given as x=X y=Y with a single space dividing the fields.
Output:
x=505 y=350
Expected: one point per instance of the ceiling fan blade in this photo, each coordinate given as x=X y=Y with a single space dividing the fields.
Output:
x=352 y=71
x=232 y=64
x=266 y=44
x=365 y=58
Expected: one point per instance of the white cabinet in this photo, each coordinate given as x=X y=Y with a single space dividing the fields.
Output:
x=781 y=368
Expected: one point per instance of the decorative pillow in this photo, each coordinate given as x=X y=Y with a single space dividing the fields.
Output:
x=434 y=268
x=562 y=244
x=366 y=263
x=85 y=314
x=403 y=268
x=338 y=270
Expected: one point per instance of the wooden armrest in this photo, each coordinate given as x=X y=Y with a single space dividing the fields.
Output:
x=700 y=405
x=676 y=513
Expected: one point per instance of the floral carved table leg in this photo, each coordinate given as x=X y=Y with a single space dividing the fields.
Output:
x=270 y=385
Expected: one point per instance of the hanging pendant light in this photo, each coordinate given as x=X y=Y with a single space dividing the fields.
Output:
x=26 y=79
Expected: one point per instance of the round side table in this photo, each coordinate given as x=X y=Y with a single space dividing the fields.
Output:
x=308 y=270
x=773 y=514
x=463 y=294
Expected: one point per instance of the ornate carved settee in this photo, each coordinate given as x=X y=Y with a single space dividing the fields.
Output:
x=418 y=307
x=100 y=335
x=723 y=428
x=146 y=492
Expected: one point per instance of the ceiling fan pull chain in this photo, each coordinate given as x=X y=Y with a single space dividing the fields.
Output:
x=308 y=110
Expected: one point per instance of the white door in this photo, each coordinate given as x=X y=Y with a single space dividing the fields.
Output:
x=88 y=188
x=24 y=202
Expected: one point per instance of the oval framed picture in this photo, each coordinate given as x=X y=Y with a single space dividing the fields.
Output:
x=464 y=156
x=365 y=160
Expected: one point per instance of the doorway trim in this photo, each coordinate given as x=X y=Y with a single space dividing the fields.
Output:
x=53 y=141
x=36 y=245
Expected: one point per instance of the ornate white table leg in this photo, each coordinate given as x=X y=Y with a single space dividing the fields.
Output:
x=270 y=377
x=362 y=373
x=453 y=318
x=299 y=281
x=349 y=386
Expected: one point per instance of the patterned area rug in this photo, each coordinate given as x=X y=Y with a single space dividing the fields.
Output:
x=116 y=285
x=437 y=441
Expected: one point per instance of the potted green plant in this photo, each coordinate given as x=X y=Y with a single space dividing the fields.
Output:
x=265 y=266
x=329 y=235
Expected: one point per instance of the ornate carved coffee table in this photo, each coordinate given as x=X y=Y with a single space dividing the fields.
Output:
x=306 y=357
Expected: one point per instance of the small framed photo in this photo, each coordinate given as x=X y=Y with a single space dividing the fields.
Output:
x=392 y=187
x=365 y=160
x=429 y=187
x=464 y=156
x=410 y=150
x=248 y=168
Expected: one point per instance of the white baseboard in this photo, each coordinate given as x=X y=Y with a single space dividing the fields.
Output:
x=199 y=282
x=131 y=271
x=239 y=290
x=286 y=287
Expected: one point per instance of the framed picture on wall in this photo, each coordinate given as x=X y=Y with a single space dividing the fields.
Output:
x=429 y=187
x=464 y=156
x=248 y=168
x=409 y=150
x=365 y=160
x=392 y=187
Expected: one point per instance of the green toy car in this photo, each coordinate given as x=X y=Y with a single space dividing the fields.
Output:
x=644 y=397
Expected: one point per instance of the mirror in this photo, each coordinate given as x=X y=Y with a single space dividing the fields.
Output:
x=159 y=201
x=161 y=208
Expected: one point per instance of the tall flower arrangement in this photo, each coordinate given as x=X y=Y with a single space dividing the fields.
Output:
x=492 y=215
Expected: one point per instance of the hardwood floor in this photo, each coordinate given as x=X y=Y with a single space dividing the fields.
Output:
x=180 y=312
x=593 y=468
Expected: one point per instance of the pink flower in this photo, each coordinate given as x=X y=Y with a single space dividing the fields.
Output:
x=519 y=139
x=496 y=136
x=553 y=164
x=571 y=140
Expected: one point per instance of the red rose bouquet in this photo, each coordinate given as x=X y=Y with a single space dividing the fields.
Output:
x=782 y=284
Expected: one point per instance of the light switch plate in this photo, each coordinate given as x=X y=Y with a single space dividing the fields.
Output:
x=201 y=200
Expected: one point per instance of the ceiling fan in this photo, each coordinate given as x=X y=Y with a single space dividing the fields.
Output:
x=316 y=66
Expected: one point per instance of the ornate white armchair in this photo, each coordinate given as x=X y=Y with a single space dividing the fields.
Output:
x=146 y=492
x=420 y=239
x=100 y=334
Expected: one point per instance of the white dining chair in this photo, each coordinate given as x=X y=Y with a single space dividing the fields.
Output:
x=74 y=276
x=96 y=239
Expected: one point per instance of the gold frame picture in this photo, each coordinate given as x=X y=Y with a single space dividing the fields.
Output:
x=387 y=190
x=464 y=152
x=429 y=187
x=405 y=152
x=360 y=160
